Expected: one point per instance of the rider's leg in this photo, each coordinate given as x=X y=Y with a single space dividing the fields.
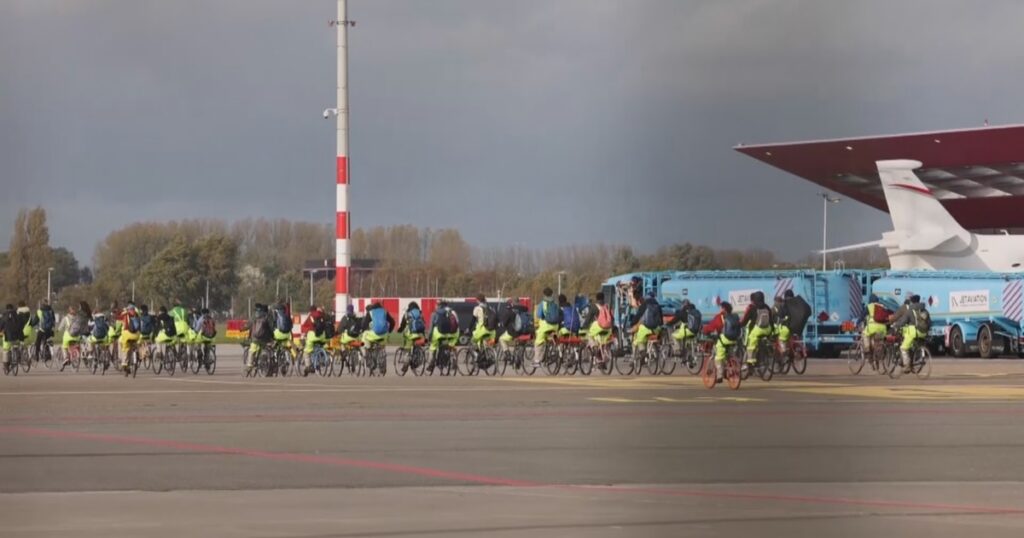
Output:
x=640 y=338
x=909 y=335
x=753 y=335
x=873 y=329
x=721 y=351
x=784 y=334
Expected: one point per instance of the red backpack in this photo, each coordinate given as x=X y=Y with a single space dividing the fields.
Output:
x=604 y=317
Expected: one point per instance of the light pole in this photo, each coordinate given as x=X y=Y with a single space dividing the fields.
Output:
x=560 y=275
x=207 y=293
x=49 y=293
x=133 y=291
x=826 y=199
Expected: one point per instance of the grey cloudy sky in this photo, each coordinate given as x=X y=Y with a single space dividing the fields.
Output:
x=542 y=122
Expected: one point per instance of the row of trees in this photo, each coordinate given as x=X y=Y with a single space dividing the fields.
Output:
x=228 y=265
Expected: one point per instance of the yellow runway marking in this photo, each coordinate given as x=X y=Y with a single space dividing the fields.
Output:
x=930 y=392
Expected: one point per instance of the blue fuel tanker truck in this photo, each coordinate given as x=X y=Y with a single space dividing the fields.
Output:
x=972 y=312
x=837 y=298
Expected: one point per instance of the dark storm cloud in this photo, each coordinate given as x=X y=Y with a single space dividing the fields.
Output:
x=536 y=122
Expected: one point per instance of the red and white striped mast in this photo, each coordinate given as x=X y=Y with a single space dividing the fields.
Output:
x=342 y=226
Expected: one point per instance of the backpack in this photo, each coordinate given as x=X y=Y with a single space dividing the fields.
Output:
x=550 y=312
x=604 y=318
x=100 y=328
x=282 y=322
x=652 y=316
x=799 y=312
x=881 y=314
x=208 y=328
x=693 y=321
x=731 y=327
x=416 y=325
x=79 y=326
x=922 y=321
x=453 y=322
x=523 y=323
x=442 y=321
x=146 y=324
x=133 y=324
x=379 y=321
x=324 y=328
x=490 y=318
x=47 y=322
x=764 y=318
x=260 y=329
x=570 y=319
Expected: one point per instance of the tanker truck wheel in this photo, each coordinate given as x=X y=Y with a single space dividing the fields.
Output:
x=985 y=344
x=957 y=346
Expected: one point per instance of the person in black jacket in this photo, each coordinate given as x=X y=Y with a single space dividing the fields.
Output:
x=14 y=323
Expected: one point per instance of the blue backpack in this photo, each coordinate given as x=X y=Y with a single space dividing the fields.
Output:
x=416 y=325
x=570 y=319
x=550 y=312
x=523 y=323
x=379 y=321
x=100 y=328
x=134 y=324
x=282 y=322
x=146 y=324
x=47 y=321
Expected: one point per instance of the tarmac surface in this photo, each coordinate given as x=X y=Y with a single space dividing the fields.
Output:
x=824 y=454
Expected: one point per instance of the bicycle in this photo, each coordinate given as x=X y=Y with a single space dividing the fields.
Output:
x=72 y=356
x=520 y=356
x=764 y=360
x=473 y=359
x=552 y=358
x=100 y=356
x=858 y=357
x=795 y=357
x=571 y=352
x=15 y=359
x=320 y=361
x=920 y=361
x=44 y=354
x=349 y=358
x=443 y=359
x=690 y=354
x=411 y=359
x=648 y=356
x=132 y=359
x=376 y=359
x=732 y=375
x=208 y=357
x=164 y=358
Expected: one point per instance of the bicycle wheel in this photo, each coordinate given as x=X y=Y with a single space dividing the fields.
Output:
x=401 y=361
x=25 y=360
x=923 y=363
x=443 y=365
x=504 y=358
x=134 y=362
x=586 y=359
x=624 y=365
x=381 y=358
x=195 y=360
x=211 y=360
x=668 y=364
x=76 y=359
x=94 y=361
x=570 y=360
x=465 y=361
x=489 y=361
x=708 y=373
x=524 y=360
x=417 y=361
x=895 y=364
x=604 y=360
x=765 y=363
x=48 y=355
x=694 y=359
x=147 y=359
x=732 y=373
x=799 y=360
x=653 y=359
x=357 y=366
x=552 y=360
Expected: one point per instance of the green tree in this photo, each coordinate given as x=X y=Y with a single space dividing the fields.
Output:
x=29 y=256
x=217 y=259
x=65 y=269
x=174 y=273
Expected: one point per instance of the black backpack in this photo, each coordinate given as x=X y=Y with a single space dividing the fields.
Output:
x=490 y=318
x=146 y=324
x=652 y=316
x=694 y=321
x=922 y=321
x=731 y=327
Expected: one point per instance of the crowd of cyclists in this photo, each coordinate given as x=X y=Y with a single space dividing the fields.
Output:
x=121 y=337
x=558 y=334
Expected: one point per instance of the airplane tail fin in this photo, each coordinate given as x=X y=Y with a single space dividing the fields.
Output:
x=916 y=214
